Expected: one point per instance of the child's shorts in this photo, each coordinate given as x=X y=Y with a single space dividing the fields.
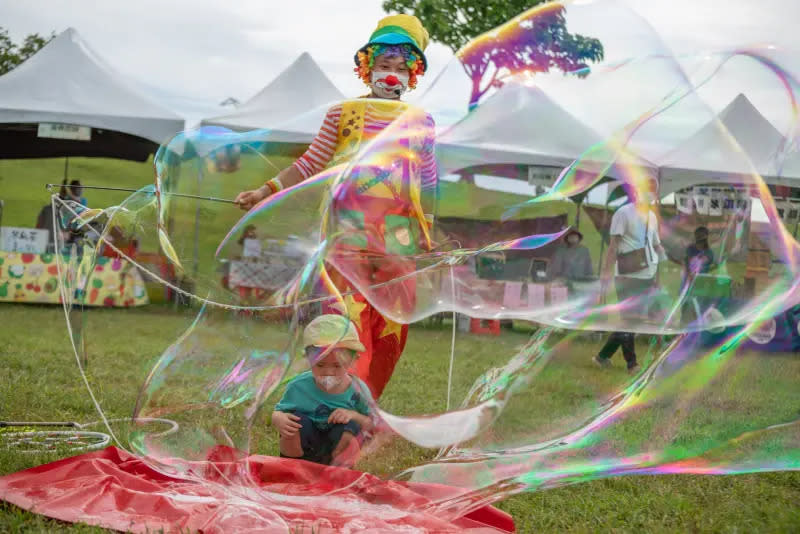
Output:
x=318 y=445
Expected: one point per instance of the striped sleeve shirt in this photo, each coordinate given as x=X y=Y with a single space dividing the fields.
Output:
x=321 y=150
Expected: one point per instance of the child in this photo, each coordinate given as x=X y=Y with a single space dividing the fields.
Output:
x=325 y=410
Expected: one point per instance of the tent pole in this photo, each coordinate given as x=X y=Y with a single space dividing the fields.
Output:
x=602 y=240
x=66 y=168
x=196 y=259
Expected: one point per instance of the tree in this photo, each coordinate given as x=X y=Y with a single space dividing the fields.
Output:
x=536 y=41
x=12 y=54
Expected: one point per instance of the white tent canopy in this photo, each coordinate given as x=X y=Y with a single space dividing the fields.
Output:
x=67 y=82
x=519 y=124
x=730 y=147
x=300 y=95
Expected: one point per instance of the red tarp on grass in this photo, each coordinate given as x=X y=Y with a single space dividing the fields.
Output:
x=113 y=489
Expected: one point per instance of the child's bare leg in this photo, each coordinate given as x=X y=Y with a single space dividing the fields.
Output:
x=346 y=450
x=290 y=446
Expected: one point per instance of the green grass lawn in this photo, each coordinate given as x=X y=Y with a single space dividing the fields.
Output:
x=41 y=382
x=40 y=379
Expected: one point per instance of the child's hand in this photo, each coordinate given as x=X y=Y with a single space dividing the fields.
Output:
x=340 y=416
x=287 y=424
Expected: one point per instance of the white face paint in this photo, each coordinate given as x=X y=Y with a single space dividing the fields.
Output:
x=387 y=84
x=328 y=383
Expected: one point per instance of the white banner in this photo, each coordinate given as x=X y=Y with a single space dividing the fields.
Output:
x=729 y=204
x=684 y=203
x=64 y=131
x=701 y=202
x=14 y=239
x=715 y=203
x=788 y=209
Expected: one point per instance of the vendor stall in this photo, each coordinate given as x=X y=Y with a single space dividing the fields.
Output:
x=31 y=277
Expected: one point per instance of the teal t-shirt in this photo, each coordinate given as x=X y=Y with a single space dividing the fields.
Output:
x=302 y=395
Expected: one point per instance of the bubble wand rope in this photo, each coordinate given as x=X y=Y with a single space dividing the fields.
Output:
x=51 y=187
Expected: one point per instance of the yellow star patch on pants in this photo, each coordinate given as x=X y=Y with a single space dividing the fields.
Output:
x=351 y=308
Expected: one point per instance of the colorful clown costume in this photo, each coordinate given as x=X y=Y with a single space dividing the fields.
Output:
x=379 y=216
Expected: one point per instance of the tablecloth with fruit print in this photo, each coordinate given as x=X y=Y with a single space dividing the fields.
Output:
x=34 y=278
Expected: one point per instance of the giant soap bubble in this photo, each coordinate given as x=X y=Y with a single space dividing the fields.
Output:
x=515 y=408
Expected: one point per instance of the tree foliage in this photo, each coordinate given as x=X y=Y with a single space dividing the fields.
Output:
x=12 y=54
x=539 y=41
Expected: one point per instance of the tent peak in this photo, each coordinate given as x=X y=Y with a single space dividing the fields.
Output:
x=736 y=141
x=300 y=87
x=740 y=102
x=67 y=81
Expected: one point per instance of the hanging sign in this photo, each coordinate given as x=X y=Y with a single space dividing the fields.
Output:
x=542 y=176
x=73 y=132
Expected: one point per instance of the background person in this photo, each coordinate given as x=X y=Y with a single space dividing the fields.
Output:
x=572 y=260
x=699 y=256
x=74 y=192
x=633 y=256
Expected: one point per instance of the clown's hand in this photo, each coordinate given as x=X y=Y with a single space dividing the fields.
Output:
x=248 y=199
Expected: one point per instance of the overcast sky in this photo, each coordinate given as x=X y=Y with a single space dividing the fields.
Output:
x=206 y=50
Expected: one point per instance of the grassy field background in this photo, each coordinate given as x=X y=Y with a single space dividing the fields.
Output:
x=40 y=379
x=43 y=383
x=22 y=187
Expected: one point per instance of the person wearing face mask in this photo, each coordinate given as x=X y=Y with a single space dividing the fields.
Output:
x=324 y=412
x=389 y=200
x=699 y=260
x=633 y=256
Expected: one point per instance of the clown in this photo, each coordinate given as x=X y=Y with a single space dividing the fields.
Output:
x=390 y=205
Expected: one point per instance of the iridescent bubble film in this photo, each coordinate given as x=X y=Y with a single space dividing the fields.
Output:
x=654 y=216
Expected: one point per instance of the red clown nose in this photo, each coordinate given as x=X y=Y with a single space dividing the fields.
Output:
x=391 y=80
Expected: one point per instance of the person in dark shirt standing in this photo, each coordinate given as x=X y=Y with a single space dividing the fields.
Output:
x=699 y=257
x=699 y=260
x=572 y=261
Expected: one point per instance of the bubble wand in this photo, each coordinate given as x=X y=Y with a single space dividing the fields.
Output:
x=51 y=187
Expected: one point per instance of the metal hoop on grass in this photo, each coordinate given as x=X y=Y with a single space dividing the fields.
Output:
x=33 y=442
x=75 y=439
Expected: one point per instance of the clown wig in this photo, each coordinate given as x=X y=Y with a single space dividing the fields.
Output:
x=366 y=61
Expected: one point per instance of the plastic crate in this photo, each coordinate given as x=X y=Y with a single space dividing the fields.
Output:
x=485 y=326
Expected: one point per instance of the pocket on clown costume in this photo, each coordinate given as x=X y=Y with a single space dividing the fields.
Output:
x=401 y=234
